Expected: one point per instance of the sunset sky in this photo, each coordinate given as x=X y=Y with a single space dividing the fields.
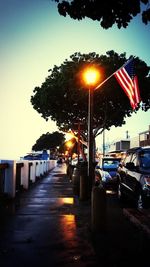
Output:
x=34 y=38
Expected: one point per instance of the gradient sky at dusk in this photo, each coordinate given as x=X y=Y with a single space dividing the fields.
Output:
x=34 y=38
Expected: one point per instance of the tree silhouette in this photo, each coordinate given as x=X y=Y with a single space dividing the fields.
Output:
x=63 y=96
x=49 y=141
x=108 y=13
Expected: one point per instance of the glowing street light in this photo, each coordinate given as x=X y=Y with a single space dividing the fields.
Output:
x=69 y=144
x=91 y=77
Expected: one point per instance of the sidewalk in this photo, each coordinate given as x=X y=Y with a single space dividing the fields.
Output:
x=48 y=226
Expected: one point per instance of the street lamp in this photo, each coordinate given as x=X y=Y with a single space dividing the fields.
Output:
x=91 y=77
x=69 y=146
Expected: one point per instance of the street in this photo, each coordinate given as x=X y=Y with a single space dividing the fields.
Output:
x=49 y=226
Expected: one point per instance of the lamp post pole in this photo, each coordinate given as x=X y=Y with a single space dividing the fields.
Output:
x=90 y=137
x=91 y=76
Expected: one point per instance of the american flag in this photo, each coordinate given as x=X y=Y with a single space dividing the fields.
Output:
x=129 y=82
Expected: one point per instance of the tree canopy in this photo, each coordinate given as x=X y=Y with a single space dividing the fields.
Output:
x=63 y=96
x=49 y=141
x=108 y=13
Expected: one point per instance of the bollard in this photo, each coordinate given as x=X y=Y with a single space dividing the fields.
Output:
x=84 y=182
x=76 y=181
x=98 y=209
x=84 y=188
x=67 y=168
x=71 y=168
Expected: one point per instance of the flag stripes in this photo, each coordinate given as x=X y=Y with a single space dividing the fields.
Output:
x=129 y=83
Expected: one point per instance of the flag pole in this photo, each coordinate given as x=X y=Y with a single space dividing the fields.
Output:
x=98 y=86
x=104 y=81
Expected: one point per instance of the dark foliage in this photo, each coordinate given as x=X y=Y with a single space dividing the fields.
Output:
x=49 y=141
x=63 y=96
x=108 y=13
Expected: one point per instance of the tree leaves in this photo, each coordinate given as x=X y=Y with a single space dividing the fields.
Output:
x=49 y=141
x=108 y=13
x=63 y=96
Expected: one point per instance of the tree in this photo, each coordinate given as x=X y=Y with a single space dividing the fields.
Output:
x=106 y=12
x=49 y=141
x=63 y=97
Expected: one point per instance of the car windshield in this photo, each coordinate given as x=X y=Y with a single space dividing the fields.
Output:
x=145 y=159
x=110 y=164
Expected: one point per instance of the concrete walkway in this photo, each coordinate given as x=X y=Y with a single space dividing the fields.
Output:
x=42 y=227
x=48 y=226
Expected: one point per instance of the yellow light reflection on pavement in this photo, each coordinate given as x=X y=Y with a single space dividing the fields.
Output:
x=68 y=227
x=68 y=200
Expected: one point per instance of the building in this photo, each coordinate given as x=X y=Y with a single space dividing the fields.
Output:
x=121 y=145
x=144 y=138
x=134 y=141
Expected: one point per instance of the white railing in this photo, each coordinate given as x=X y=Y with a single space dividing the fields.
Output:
x=20 y=174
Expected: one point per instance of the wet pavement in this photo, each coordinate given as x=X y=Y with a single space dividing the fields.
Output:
x=49 y=226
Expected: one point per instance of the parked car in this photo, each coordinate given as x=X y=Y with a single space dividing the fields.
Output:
x=106 y=172
x=41 y=155
x=134 y=177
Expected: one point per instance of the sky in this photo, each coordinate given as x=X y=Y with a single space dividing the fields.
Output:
x=34 y=38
